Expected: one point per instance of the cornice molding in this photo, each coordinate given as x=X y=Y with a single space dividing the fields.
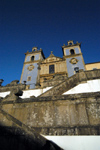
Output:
x=32 y=62
x=48 y=75
x=66 y=46
x=38 y=51
x=52 y=62
x=71 y=56
x=34 y=52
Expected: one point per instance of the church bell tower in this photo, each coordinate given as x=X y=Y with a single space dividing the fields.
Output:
x=73 y=56
x=30 y=73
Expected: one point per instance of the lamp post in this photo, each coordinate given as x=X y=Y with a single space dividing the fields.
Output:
x=24 y=82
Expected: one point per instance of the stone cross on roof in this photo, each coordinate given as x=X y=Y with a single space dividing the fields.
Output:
x=51 y=55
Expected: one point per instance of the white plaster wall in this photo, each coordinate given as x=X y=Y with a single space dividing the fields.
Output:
x=27 y=93
x=76 y=142
x=46 y=89
x=4 y=94
x=34 y=92
x=90 y=86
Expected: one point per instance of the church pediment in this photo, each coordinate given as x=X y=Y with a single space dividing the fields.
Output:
x=51 y=58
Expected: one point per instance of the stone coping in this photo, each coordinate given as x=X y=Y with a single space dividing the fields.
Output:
x=69 y=97
x=11 y=87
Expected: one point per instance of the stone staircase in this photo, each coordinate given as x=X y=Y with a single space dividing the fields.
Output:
x=82 y=76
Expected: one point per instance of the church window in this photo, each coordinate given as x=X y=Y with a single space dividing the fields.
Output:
x=76 y=69
x=32 y=58
x=51 y=69
x=72 y=52
x=29 y=78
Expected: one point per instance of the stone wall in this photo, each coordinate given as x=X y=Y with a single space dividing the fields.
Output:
x=13 y=85
x=21 y=137
x=77 y=114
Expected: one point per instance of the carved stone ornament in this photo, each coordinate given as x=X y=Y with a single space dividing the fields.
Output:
x=30 y=68
x=73 y=61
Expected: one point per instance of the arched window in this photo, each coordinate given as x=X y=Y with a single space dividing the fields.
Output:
x=32 y=58
x=72 y=52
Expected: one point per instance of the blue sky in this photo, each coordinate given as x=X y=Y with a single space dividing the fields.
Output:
x=47 y=24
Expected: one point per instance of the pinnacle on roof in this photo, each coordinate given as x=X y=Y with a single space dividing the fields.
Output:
x=51 y=55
